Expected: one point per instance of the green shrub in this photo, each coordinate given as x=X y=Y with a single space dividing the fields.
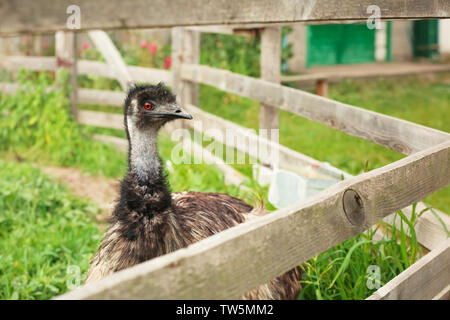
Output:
x=36 y=125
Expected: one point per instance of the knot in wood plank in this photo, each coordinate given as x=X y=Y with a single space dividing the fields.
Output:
x=354 y=207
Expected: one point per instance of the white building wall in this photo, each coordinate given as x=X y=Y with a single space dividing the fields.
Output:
x=381 y=42
x=444 y=36
x=401 y=40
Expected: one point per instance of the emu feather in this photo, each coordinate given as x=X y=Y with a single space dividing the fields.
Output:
x=148 y=220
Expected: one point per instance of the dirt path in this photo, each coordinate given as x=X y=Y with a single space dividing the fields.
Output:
x=101 y=191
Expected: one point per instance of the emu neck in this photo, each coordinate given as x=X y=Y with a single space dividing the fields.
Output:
x=144 y=159
x=144 y=191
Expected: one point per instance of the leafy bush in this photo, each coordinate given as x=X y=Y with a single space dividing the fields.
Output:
x=237 y=54
x=36 y=125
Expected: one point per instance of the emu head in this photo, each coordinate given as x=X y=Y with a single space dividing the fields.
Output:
x=150 y=106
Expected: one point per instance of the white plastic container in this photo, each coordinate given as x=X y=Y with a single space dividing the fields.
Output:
x=286 y=188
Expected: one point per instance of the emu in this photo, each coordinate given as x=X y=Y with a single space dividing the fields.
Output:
x=148 y=220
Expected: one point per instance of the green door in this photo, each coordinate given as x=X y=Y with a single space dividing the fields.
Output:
x=339 y=44
x=425 y=38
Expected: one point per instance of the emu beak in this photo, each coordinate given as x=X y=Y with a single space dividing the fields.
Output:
x=174 y=111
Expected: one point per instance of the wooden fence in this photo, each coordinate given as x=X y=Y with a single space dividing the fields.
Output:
x=221 y=266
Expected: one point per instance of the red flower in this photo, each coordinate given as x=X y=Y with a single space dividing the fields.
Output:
x=86 y=46
x=152 y=48
x=143 y=44
x=167 y=62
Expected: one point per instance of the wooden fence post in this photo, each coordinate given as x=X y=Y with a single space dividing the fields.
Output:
x=270 y=71
x=268 y=115
x=112 y=56
x=185 y=49
x=66 y=58
x=322 y=87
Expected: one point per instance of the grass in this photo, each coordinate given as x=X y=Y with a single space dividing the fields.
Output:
x=43 y=230
x=355 y=268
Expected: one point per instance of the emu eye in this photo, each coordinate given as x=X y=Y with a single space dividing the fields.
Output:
x=148 y=106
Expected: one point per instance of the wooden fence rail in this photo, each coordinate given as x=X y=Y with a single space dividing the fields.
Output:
x=396 y=134
x=26 y=15
x=426 y=279
x=85 y=67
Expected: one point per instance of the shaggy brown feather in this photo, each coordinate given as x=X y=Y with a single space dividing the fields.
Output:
x=190 y=219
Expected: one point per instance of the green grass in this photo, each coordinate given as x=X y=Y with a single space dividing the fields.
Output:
x=344 y=271
x=43 y=230
x=414 y=99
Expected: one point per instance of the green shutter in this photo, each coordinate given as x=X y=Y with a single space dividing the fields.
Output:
x=339 y=44
x=425 y=38
x=389 y=41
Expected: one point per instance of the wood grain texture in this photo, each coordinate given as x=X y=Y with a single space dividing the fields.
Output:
x=444 y=294
x=101 y=119
x=18 y=16
x=221 y=267
x=66 y=58
x=427 y=278
x=15 y=63
x=97 y=68
x=396 y=134
x=101 y=97
x=190 y=54
x=185 y=49
x=112 y=56
x=270 y=62
x=138 y=74
x=389 y=69
x=88 y=96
